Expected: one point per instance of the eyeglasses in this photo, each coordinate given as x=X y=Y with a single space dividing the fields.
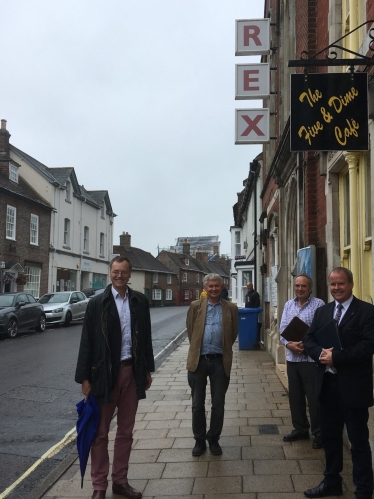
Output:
x=119 y=272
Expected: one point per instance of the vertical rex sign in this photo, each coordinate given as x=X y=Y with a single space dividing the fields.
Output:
x=252 y=81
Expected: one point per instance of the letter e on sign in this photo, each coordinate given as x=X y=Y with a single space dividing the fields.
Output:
x=252 y=81
x=252 y=36
x=251 y=126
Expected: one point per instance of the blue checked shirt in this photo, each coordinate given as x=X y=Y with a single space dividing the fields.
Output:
x=212 y=340
x=306 y=314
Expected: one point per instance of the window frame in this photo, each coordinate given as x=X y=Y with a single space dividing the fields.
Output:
x=12 y=223
x=32 y=285
x=168 y=279
x=68 y=192
x=86 y=238
x=156 y=294
x=101 y=244
x=155 y=277
x=66 y=232
x=184 y=278
x=35 y=231
x=13 y=172
x=169 y=295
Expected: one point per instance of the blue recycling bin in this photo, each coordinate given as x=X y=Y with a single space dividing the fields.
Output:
x=248 y=327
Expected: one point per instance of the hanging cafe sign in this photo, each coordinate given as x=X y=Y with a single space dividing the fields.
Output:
x=329 y=112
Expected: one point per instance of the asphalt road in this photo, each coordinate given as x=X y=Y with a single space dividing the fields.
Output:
x=38 y=395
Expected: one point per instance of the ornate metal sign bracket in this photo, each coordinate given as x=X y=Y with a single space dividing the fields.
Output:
x=331 y=56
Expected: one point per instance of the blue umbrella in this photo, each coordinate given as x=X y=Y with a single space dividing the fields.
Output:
x=88 y=420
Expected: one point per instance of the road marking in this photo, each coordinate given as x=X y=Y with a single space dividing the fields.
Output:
x=51 y=452
x=167 y=346
x=69 y=437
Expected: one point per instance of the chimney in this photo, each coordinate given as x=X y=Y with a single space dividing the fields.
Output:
x=125 y=240
x=4 y=140
x=186 y=247
x=202 y=256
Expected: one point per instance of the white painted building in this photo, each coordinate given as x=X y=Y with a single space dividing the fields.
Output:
x=245 y=238
x=81 y=238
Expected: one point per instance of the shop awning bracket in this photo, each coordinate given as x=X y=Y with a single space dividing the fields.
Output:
x=331 y=56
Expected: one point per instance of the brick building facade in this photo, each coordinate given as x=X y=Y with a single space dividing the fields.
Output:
x=25 y=220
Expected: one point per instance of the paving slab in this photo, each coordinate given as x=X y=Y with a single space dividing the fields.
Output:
x=253 y=465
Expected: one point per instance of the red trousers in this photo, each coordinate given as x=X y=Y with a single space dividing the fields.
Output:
x=125 y=399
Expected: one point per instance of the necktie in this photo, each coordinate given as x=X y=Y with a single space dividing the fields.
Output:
x=338 y=313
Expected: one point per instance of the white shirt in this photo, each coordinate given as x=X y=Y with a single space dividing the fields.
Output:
x=123 y=308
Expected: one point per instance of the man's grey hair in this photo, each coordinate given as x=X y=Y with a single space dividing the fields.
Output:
x=212 y=277
x=309 y=279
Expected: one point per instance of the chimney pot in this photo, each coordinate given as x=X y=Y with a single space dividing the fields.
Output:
x=125 y=240
x=3 y=124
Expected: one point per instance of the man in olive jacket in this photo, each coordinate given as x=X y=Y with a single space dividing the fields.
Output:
x=212 y=327
x=114 y=364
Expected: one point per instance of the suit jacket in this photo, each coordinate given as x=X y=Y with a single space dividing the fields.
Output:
x=354 y=362
x=195 y=329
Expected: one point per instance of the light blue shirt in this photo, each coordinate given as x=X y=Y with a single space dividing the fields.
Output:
x=123 y=308
x=212 y=339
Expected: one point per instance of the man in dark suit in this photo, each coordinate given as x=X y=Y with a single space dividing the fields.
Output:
x=344 y=385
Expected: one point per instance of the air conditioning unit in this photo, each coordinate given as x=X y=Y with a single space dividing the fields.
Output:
x=2 y=265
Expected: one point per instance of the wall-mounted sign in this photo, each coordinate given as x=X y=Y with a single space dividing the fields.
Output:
x=252 y=36
x=252 y=81
x=329 y=112
x=251 y=126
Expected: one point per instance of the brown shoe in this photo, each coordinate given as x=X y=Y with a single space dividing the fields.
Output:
x=98 y=494
x=125 y=490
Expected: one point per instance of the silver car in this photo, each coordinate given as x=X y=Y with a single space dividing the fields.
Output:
x=64 y=306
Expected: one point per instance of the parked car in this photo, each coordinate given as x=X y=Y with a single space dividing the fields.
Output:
x=91 y=292
x=20 y=310
x=64 y=306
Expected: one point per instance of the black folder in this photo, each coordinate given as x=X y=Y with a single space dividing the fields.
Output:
x=295 y=330
x=328 y=336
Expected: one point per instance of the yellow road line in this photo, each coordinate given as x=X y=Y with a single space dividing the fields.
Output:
x=69 y=437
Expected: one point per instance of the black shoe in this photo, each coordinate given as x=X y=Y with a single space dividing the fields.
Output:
x=324 y=490
x=296 y=435
x=200 y=448
x=317 y=443
x=215 y=448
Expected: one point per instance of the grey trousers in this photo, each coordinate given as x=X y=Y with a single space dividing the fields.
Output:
x=219 y=383
x=301 y=387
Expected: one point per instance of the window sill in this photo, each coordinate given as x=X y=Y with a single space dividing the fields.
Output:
x=101 y=256
x=11 y=239
x=34 y=244
x=66 y=247
x=67 y=201
x=86 y=252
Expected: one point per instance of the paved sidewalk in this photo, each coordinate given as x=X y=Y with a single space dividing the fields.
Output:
x=254 y=464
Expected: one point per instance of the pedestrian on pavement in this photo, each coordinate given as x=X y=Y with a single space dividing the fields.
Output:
x=114 y=364
x=212 y=327
x=224 y=293
x=344 y=385
x=301 y=369
x=252 y=298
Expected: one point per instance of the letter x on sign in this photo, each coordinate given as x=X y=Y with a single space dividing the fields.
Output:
x=252 y=126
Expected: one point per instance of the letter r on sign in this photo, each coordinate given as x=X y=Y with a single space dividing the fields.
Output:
x=251 y=33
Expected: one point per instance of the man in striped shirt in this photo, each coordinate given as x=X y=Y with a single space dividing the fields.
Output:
x=301 y=370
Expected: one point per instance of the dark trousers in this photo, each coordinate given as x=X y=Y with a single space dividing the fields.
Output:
x=334 y=414
x=301 y=384
x=219 y=382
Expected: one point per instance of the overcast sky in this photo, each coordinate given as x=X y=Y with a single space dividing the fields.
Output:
x=139 y=97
